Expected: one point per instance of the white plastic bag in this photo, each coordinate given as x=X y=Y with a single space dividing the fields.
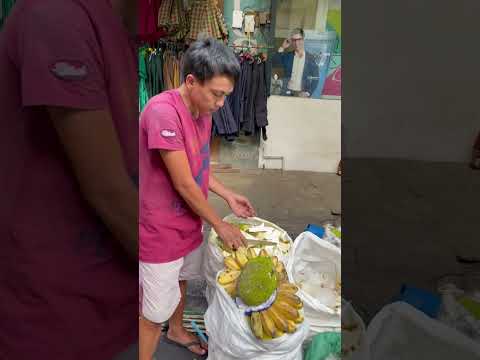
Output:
x=313 y=263
x=213 y=255
x=230 y=336
x=401 y=332
x=356 y=337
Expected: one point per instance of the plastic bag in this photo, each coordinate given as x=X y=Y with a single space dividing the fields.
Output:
x=213 y=255
x=324 y=346
x=314 y=265
x=230 y=336
x=399 y=331
x=354 y=336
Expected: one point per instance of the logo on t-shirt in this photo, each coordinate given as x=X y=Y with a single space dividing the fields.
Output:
x=69 y=70
x=168 y=133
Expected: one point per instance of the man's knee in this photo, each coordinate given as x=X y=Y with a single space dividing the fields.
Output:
x=151 y=324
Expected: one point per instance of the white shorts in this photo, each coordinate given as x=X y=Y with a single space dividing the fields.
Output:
x=159 y=288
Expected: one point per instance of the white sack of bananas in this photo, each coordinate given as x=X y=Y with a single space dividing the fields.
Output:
x=259 y=284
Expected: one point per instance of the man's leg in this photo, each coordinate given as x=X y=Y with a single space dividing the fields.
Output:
x=149 y=334
x=176 y=331
x=160 y=296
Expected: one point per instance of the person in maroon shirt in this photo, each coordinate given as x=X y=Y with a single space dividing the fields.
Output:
x=68 y=167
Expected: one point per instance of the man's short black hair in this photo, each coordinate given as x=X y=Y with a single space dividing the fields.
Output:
x=206 y=58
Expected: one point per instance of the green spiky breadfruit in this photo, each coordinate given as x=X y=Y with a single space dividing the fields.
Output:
x=257 y=282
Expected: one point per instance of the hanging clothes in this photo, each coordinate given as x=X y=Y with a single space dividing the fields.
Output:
x=224 y=123
x=173 y=18
x=148 y=30
x=245 y=109
x=159 y=69
x=7 y=6
x=206 y=18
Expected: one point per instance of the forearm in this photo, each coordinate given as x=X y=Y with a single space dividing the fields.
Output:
x=194 y=197
x=218 y=188
x=117 y=207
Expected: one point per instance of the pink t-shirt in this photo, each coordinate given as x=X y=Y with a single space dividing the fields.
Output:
x=168 y=228
x=66 y=291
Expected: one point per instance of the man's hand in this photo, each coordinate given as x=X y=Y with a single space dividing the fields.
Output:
x=230 y=235
x=286 y=43
x=240 y=205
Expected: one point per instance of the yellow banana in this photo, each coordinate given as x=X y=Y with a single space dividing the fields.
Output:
x=251 y=254
x=285 y=310
x=241 y=256
x=292 y=327
x=279 y=322
x=263 y=252
x=256 y=325
x=269 y=327
x=290 y=299
x=289 y=287
x=299 y=320
x=228 y=276
x=279 y=268
x=231 y=288
x=275 y=260
x=231 y=264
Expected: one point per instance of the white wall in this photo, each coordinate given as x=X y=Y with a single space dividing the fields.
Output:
x=305 y=132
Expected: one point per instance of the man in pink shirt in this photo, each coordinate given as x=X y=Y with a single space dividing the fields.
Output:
x=68 y=164
x=175 y=178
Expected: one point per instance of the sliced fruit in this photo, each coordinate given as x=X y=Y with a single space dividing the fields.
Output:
x=228 y=276
x=263 y=252
x=231 y=264
x=251 y=254
x=241 y=256
x=231 y=289
x=275 y=261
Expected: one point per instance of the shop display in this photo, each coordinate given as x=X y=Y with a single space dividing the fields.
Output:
x=259 y=284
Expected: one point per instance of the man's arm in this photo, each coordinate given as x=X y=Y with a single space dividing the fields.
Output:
x=182 y=179
x=239 y=204
x=92 y=146
x=218 y=188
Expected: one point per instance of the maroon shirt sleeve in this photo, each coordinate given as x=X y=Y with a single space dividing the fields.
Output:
x=60 y=58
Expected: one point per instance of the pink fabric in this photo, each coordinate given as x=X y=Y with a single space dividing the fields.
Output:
x=168 y=228
x=333 y=83
x=66 y=290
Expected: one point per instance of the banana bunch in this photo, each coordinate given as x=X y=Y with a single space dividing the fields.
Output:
x=280 y=318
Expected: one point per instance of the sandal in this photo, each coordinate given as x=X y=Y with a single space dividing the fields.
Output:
x=187 y=345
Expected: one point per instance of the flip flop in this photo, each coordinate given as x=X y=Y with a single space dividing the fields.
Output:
x=187 y=345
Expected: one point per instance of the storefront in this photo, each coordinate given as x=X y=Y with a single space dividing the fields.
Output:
x=298 y=106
